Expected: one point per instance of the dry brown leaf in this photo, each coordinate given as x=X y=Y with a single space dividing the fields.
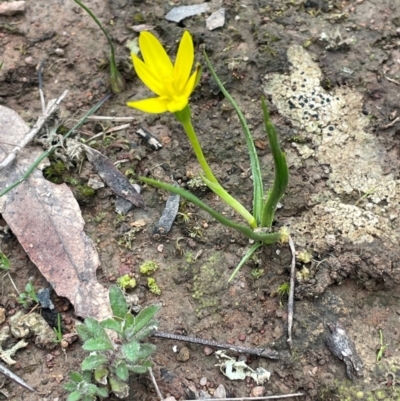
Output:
x=48 y=223
x=113 y=177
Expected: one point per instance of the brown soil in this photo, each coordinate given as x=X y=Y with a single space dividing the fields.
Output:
x=342 y=204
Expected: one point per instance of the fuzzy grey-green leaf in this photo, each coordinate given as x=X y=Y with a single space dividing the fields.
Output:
x=118 y=302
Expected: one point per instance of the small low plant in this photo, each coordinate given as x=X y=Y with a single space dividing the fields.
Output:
x=28 y=296
x=4 y=262
x=107 y=368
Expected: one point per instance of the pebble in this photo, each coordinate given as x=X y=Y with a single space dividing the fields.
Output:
x=257 y=391
x=183 y=355
x=242 y=337
x=170 y=399
x=220 y=392
x=208 y=350
x=203 y=381
x=59 y=52
x=2 y=314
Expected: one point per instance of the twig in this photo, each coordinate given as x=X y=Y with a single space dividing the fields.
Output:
x=153 y=379
x=109 y=130
x=51 y=108
x=269 y=397
x=15 y=378
x=115 y=119
x=291 y=291
x=262 y=352
x=42 y=101
x=390 y=124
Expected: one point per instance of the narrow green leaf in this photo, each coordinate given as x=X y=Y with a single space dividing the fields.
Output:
x=118 y=302
x=267 y=238
x=144 y=317
x=281 y=178
x=231 y=201
x=97 y=344
x=112 y=325
x=74 y=396
x=258 y=193
x=130 y=350
x=139 y=369
x=122 y=371
x=95 y=328
x=146 y=331
x=4 y=262
x=93 y=361
x=245 y=258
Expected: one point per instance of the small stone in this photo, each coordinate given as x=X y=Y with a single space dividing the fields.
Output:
x=170 y=399
x=29 y=60
x=208 y=350
x=257 y=391
x=203 y=381
x=220 y=392
x=242 y=337
x=59 y=52
x=2 y=314
x=183 y=355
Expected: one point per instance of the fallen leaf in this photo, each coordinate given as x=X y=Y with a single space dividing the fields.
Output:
x=112 y=177
x=48 y=223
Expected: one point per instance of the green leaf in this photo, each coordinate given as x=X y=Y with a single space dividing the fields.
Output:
x=95 y=328
x=130 y=350
x=258 y=193
x=89 y=398
x=74 y=396
x=266 y=238
x=75 y=377
x=118 y=302
x=122 y=371
x=70 y=386
x=129 y=321
x=101 y=374
x=121 y=390
x=281 y=178
x=4 y=262
x=83 y=332
x=97 y=344
x=147 y=331
x=93 y=361
x=245 y=258
x=144 y=317
x=112 y=325
x=91 y=389
x=139 y=369
x=102 y=392
x=145 y=351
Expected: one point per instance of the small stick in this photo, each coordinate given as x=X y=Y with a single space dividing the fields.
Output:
x=269 y=397
x=291 y=291
x=109 y=130
x=153 y=379
x=51 y=108
x=390 y=124
x=262 y=352
x=12 y=376
x=115 y=119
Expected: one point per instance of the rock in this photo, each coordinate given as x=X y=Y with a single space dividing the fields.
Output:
x=203 y=381
x=257 y=391
x=208 y=350
x=183 y=355
x=220 y=392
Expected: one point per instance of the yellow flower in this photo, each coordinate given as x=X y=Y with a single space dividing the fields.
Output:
x=172 y=83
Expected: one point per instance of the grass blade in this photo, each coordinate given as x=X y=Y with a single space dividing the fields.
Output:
x=245 y=258
x=258 y=191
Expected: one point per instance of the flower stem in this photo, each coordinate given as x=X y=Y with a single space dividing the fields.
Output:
x=184 y=117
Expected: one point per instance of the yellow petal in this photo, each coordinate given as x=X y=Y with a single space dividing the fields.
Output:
x=154 y=56
x=146 y=76
x=154 y=105
x=192 y=82
x=184 y=61
x=177 y=104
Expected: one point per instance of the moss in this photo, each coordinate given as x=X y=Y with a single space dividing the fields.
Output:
x=126 y=282
x=149 y=267
x=153 y=286
x=55 y=172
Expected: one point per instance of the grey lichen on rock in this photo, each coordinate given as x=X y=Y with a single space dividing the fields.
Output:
x=334 y=124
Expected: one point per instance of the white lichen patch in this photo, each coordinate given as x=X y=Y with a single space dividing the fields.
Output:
x=334 y=124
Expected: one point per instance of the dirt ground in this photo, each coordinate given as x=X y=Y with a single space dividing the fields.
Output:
x=331 y=73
